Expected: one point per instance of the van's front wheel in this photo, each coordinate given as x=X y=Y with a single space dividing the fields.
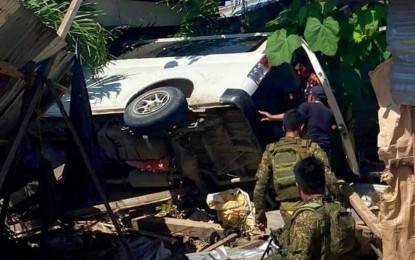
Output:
x=156 y=110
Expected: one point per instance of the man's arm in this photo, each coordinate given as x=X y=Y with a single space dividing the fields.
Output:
x=266 y=116
x=331 y=180
x=304 y=236
x=263 y=179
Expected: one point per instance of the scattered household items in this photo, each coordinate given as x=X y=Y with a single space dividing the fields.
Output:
x=234 y=209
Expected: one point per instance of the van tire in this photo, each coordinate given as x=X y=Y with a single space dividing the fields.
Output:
x=156 y=110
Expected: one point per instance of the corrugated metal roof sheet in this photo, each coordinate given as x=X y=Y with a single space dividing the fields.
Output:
x=401 y=41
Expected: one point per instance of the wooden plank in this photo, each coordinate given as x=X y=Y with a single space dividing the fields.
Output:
x=28 y=228
x=120 y=205
x=177 y=227
x=62 y=62
x=25 y=38
x=365 y=214
x=356 y=218
x=405 y=161
x=256 y=241
x=363 y=227
x=10 y=70
x=69 y=17
x=55 y=45
x=25 y=229
x=221 y=242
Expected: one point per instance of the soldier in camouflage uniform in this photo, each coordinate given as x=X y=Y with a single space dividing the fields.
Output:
x=303 y=238
x=277 y=165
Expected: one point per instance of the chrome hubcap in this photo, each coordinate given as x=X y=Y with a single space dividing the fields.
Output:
x=151 y=103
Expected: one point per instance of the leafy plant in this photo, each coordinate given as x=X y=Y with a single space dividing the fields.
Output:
x=349 y=43
x=201 y=17
x=322 y=35
x=92 y=37
x=280 y=47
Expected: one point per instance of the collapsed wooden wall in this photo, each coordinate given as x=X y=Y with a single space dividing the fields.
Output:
x=24 y=41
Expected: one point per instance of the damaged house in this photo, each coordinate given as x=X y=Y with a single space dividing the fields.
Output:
x=81 y=179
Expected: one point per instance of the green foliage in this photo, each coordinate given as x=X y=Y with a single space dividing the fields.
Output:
x=201 y=18
x=348 y=43
x=92 y=37
x=325 y=27
x=322 y=36
x=280 y=47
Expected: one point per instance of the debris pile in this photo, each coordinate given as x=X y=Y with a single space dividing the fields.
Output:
x=159 y=225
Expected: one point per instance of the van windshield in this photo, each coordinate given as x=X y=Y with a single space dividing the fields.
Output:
x=194 y=47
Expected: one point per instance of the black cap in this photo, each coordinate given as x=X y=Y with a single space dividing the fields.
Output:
x=317 y=91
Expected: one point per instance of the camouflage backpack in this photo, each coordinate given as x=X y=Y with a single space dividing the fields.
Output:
x=285 y=154
x=338 y=228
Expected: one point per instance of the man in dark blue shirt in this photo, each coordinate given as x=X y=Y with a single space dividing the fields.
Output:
x=319 y=118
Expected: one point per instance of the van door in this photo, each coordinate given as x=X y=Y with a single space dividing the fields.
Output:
x=347 y=144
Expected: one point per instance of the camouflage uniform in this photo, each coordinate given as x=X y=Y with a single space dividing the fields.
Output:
x=303 y=239
x=265 y=176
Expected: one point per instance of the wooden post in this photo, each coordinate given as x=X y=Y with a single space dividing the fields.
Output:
x=90 y=168
x=68 y=18
x=363 y=211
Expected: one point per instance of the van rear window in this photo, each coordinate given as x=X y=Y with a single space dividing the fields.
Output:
x=195 y=47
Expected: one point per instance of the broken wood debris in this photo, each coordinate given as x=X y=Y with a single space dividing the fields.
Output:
x=362 y=210
x=10 y=70
x=256 y=241
x=27 y=38
x=121 y=205
x=178 y=227
x=406 y=161
x=221 y=242
x=29 y=228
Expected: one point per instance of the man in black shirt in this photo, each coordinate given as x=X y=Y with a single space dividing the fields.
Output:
x=319 y=118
